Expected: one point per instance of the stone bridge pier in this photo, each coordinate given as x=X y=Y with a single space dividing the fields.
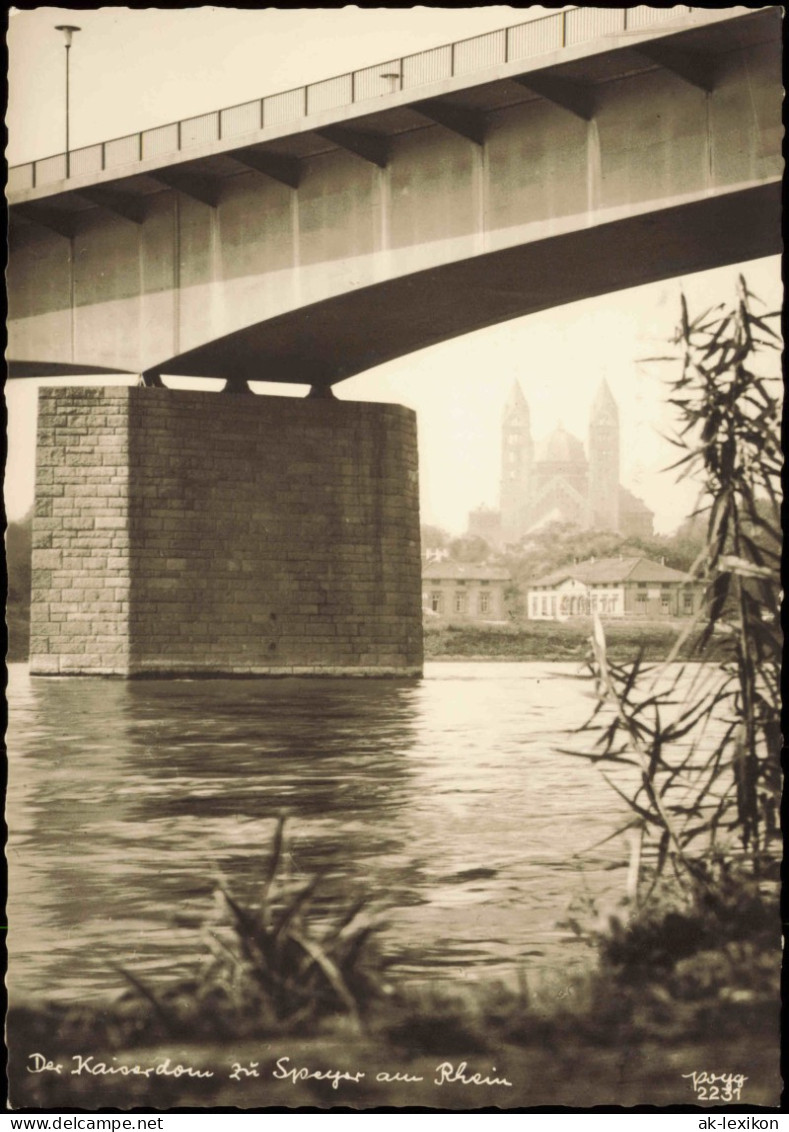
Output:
x=193 y=534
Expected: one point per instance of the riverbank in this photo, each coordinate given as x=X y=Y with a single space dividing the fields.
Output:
x=287 y=1007
x=556 y=641
x=288 y=1010
x=529 y=640
x=605 y=1043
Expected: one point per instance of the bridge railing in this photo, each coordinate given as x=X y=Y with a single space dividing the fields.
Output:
x=521 y=41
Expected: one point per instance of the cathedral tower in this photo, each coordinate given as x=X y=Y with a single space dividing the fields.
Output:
x=604 y=462
x=517 y=460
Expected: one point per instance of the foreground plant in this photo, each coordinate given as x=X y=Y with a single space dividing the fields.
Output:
x=271 y=964
x=696 y=751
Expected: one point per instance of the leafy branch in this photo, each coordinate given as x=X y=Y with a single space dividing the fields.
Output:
x=705 y=741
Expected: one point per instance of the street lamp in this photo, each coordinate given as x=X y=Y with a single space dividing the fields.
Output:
x=68 y=33
x=394 y=80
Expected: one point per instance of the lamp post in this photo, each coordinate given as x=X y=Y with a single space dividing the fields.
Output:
x=68 y=33
x=394 y=80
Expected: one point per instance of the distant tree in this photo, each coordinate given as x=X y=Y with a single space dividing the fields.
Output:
x=513 y=601
x=433 y=538
x=469 y=548
x=560 y=544
x=18 y=556
x=683 y=547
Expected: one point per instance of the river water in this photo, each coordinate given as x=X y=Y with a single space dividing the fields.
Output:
x=445 y=797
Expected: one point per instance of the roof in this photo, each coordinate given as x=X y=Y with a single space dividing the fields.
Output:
x=561 y=447
x=613 y=570
x=471 y=571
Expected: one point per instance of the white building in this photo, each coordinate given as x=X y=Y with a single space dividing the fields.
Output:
x=614 y=587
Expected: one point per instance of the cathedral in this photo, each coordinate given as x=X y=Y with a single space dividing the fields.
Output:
x=557 y=481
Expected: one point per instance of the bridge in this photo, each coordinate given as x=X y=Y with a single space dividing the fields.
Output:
x=313 y=234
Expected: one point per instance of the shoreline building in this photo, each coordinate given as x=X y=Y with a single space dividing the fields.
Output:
x=622 y=588
x=556 y=481
x=464 y=591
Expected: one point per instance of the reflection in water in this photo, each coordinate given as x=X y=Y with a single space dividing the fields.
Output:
x=445 y=797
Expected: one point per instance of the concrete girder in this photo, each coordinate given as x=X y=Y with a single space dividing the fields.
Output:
x=372 y=147
x=321 y=393
x=691 y=66
x=199 y=186
x=18 y=369
x=326 y=342
x=576 y=97
x=55 y=219
x=280 y=166
x=471 y=124
x=730 y=34
x=315 y=286
x=126 y=205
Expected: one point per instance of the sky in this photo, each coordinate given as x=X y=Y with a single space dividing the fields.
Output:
x=132 y=69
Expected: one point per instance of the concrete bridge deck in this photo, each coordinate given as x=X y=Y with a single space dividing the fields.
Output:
x=312 y=248
x=531 y=48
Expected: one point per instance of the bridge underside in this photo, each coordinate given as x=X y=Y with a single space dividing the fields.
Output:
x=410 y=221
x=327 y=342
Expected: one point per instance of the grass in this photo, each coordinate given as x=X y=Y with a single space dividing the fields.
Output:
x=548 y=641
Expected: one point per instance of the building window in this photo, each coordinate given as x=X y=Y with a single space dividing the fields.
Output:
x=664 y=603
x=436 y=604
x=553 y=605
x=460 y=603
x=687 y=601
x=534 y=606
x=544 y=609
x=565 y=605
x=484 y=603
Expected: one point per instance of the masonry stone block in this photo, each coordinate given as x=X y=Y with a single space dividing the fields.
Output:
x=245 y=536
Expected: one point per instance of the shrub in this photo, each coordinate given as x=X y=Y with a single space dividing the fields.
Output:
x=270 y=966
x=693 y=752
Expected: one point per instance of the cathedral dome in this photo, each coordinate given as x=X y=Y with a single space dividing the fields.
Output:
x=561 y=447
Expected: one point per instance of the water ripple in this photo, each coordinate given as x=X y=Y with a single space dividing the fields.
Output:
x=444 y=797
